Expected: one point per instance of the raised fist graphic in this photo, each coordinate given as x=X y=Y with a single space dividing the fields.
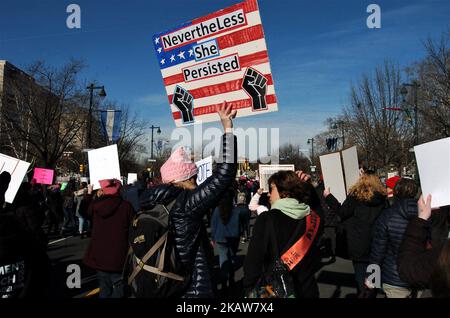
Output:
x=255 y=84
x=183 y=100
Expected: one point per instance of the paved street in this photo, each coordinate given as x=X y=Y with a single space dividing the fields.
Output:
x=335 y=280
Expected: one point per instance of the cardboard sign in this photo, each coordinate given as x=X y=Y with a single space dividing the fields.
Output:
x=204 y=169
x=351 y=167
x=132 y=177
x=266 y=171
x=43 y=176
x=433 y=162
x=103 y=164
x=219 y=57
x=333 y=177
x=18 y=170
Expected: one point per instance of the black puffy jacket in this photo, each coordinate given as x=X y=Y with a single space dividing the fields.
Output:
x=187 y=215
x=388 y=234
x=358 y=218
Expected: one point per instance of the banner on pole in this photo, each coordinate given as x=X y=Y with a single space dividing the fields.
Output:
x=110 y=120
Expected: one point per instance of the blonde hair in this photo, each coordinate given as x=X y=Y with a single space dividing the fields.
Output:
x=366 y=187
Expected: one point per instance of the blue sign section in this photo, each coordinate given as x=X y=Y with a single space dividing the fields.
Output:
x=206 y=50
x=175 y=56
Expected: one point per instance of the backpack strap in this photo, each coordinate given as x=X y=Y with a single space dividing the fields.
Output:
x=156 y=271
x=141 y=263
x=146 y=257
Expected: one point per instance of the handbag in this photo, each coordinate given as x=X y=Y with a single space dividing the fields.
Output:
x=276 y=282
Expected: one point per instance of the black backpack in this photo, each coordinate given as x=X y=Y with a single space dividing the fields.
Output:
x=152 y=268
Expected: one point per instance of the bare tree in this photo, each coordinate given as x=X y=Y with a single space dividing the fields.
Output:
x=290 y=154
x=383 y=134
x=42 y=117
x=433 y=74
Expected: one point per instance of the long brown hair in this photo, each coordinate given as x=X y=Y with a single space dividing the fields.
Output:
x=440 y=279
x=289 y=186
x=366 y=187
x=226 y=206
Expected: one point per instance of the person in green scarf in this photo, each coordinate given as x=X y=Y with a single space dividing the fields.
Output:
x=288 y=194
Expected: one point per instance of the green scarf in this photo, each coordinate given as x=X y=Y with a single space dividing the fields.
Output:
x=292 y=208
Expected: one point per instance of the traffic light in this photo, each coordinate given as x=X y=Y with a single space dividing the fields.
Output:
x=81 y=168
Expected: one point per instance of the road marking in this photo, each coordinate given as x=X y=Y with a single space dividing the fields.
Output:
x=93 y=292
x=60 y=240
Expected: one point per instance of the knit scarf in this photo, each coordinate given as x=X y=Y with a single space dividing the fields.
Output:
x=292 y=208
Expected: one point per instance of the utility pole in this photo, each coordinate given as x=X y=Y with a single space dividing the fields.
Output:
x=102 y=93
x=158 y=132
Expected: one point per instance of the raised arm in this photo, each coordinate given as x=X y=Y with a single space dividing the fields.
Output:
x=208 y=193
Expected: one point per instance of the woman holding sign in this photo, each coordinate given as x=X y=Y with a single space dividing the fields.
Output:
x=192 y=202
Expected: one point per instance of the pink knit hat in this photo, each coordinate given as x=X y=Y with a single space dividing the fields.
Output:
x=178 y=167
x=110 y=186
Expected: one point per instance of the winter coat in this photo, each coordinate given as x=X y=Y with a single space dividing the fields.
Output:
x=219 y=231
x=260 y=256
x=357 y=220
x=186 y=217
x=111 y=217
x=388 y=234
x=421 y=247
x=24 y=264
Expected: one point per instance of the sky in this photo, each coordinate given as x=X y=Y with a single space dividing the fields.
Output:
x=317 y=49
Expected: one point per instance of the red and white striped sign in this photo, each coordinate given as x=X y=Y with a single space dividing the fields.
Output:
x=219 y=57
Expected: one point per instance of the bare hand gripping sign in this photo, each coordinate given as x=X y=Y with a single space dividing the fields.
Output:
x=221 y=56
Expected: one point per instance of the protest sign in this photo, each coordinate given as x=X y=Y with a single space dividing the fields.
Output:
x=64 y=186
x=18 y=170
x=219 y=57
x=266 y=171
x=43 y=176
x=103 y=164
x=132 y=177
x=204 y=169
x=351 y=167
x=333 y=177
x=433 y=162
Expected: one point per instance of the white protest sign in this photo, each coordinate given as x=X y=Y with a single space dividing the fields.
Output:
x=132 y=177
x=103 y=164
x=266 y=171
x=204 y=169
x=433 y=162
x=333 y=177
x=18 y=169
x=351 y=166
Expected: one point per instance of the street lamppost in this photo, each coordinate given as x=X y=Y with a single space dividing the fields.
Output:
x=404 y=92
x=158 y=132
x=102 y=93
x=311 y=142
